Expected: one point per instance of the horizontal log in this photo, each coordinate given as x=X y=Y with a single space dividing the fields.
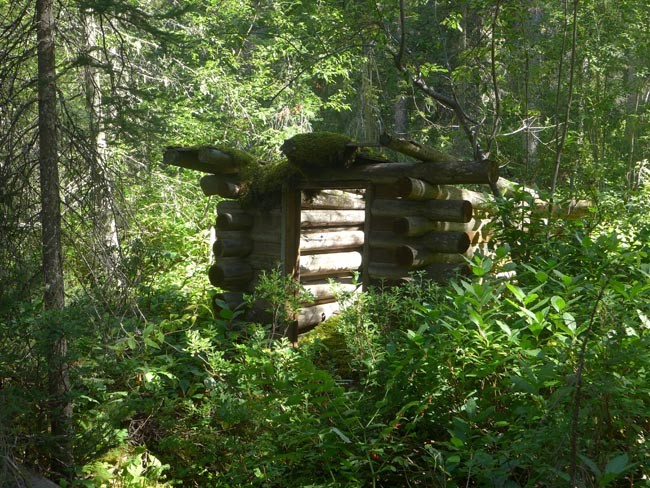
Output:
x=325 y=218
x=205 y=159
x=223 y=247
x=257 y=236
x=307 y=317
x=325 y=264
x=333 y=199
x=436 y=272
x=230 y=273
x=447 y=210
x=437 y=173
x=413 y=149
x=223 y=162
x=319 y=241
x=234 y=220
x=416 y=256
x=449 y=242
x=417 y=226
x=224 y=186
x=326 y=291
x=449 y=258
x=415 y=189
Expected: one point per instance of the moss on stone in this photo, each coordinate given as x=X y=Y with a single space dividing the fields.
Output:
x=318 y=150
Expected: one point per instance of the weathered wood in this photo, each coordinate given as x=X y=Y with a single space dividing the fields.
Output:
x=319 y=241
x=325 y=264
x=224 y=186
x=228 y=273
x=415 y=189
x=232 y=247
x=204 y=159
x=409 y=259
x=413 y=149
x=437 y=173
x=447 y=210
x=440 y=272
x=307 y=317
x=323 y=290
x=417 y=226
x=333 y=199
x=290 y=245
x=221 y=162
x=258 y=236
x=450 y=242
x=234 y=220
x=325 y=218
x=416 y=256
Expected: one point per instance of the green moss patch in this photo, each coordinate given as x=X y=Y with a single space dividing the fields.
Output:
x=319 y=150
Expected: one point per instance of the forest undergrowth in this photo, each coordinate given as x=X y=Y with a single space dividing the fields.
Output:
x=537 y=378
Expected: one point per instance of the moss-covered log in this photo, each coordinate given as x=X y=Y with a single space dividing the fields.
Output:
x=209 y=159
x=319 y=150
x=436 y=173
x=224 y=186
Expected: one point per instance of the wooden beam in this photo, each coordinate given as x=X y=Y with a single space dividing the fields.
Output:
x=446 y=210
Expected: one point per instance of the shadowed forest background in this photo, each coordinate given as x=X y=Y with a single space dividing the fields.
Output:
x=116 y=372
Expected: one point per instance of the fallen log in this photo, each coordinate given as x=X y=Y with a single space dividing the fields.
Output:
x=327 y=264
x=229 y=273
x=447 y=210
x=224 y=186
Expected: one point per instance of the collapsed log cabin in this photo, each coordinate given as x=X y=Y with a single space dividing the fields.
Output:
x=331 y=214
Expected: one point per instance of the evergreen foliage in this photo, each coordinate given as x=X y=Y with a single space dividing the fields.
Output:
x=536 y=380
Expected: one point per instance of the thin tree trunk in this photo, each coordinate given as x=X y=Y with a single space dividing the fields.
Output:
x=105 y=227
x=53 y=298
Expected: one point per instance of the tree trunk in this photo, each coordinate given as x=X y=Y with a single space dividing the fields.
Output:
x=53 y=297
x=104 y=223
